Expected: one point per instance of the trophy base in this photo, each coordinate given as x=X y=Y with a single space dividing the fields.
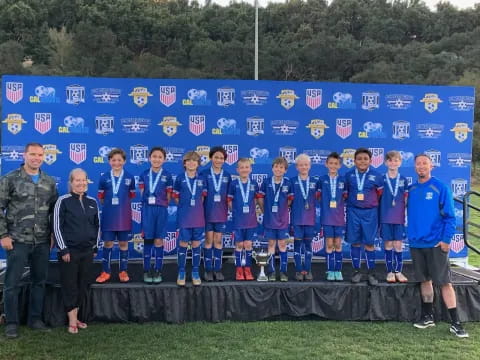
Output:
x=262 y=276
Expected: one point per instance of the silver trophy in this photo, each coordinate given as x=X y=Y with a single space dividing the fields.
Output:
x=262 y=258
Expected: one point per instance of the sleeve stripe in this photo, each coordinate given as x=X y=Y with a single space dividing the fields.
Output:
x=98 y=215
x=56 y=222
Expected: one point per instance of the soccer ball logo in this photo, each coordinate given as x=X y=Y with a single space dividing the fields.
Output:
x=104 y=151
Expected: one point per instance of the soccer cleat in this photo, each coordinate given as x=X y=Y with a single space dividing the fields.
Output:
x=330 y=276
x=298 y=276
x=272 y=277
x=219 y=276
x=147 y=277
x=391 y=278
x=308 y=276
x=400 y=277
x=426 y=322
x=208 y=276
x=181 y=278
x=248 y=273
x=356 y=277
x=157 y=277
x=239 y=275
x=103 y=277
x=338 y=276
x=196 y=278
x=283 y=277
x=372 y=280
x=123 y=276
x=458 y=330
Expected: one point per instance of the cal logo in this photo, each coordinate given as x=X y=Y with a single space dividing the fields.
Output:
x=259 y=156
x=14 y=123
x=348 y=156
x=168 y=95
x=313 y=98
x=459 y=187
x=196 y=124
x=342 y=101
x=458 y=243
x=140 y=96
x=370 y=100
x=232 y=153
x=287 y=98
x=75 y=94
x=44 y=94
x=378 y=156
x=43 y=122
x=78 y=152
x=371 y=130
x=317 y=128
x=138 y=154
x=226 y=127
x=431 y=102
x=196 y=97
x=344 y=128
x=103 y=152
x=14 y=91
x=288 y=152
x=104 y=124
x=255 y=125
x=225 y=96
x=51 y=152
x=435 y=156
x=169 y=124
x=73 y=125
x=461 y=131
x=137 y=212
x=203 y=151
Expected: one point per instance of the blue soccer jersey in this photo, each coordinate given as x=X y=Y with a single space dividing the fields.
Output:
x=364 y=192
x=276 y=198
x=332 y=203
x=243 y=219
x=190 y=210
x=216 y=205
x=160 y=183
x=116 y=193
x=303 y=211
x=392 y=208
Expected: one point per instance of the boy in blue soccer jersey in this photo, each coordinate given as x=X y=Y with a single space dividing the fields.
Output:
x=116 y=189
x=241 y=195
x=189 y=191
x=216 y=212
x=276 y=197
x=332 y=201
x=364 y=186
x=392 y=217
x=304 y=188
x=156 y=186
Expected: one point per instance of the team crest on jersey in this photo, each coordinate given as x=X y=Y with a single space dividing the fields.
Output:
x=78 y=152
x=12 y=153
x=170 y=242
x=429 y=131
x=343 y=127
x=260 y=156
x=435 y=156
x=318 y=243
x=174 y=154
x=43 y=122
x=462 y=103
x=255 y=97
x=225 y=96
x=371 y=130
x=399 y=101
x=378 y=156
x=106 y=95
x=313 y=98
x=170 y=125
x=14 y=91
x=317 y=128
x=226 y=127
x=409 y=180
x=429 y=195
x=287 y=98
x=348 y=156
x=138 y=154
x=75 y=94
x=196 y=124
x=14 y=123
x=401 y=130
x=342 y=101
x=370 y=100
x=459 y=187
x=51 y=153
x=197 y=97
x=104 y=124
x=203 y=151
x=431 y=102
x=459 y=160
x=317 y=156
x=135 y=125
x=288 y=152
x=284 y=127
x=140 y=96
x=73 y=125
x=137 y=212
x=408 y=158
x=44 y=95
x=168 y=95
x=461 y=131
x=255 y=125
x=232 y=154
x=458 y=243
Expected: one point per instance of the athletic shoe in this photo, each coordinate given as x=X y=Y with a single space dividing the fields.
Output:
x=338 y=276
x=147 y=277
x=372 y=280
x=196 y=278
x=123 y=276
x=391 y=278
x=356 y=277
x=425 y=322
x=219 y=276
x=308 y=276
x=103 y=277
x=181 y=278
x=157 y=277
x=40 y=326
x=283 y=277
x=11 y=331
x=272 y=277
x=208 y=276
x=239 y=275
x=330 y=276
x=458 y=330
x=400 y=277
x=298 y=276
x=248 y=273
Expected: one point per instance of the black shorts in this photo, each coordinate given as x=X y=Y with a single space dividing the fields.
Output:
x=431 y=264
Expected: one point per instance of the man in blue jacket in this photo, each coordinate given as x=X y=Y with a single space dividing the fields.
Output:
x=431 y=225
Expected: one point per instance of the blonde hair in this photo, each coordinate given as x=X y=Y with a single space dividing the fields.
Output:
x=71 y=175
x=191 y=155
x=303 y=157
x=244 y=160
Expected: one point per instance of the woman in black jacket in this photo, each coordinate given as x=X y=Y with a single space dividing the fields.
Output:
x=76 y=228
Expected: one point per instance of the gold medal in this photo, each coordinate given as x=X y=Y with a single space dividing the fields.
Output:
x=333 y=204
x=306 y=206
x=360 y=197
x=393 y=202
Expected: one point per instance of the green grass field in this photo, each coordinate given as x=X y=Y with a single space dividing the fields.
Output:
x=259 y=340
x=473 y=258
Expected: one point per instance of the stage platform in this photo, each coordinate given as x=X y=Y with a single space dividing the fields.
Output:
x=254 y=301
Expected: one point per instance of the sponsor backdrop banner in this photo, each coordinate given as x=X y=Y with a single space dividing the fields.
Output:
x=80 y=119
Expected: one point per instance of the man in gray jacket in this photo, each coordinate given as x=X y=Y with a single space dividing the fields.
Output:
x=27 y=199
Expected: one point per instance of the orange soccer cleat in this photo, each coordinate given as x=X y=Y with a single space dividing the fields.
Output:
x=239 y=276
x=103 y=277
x=123 y=276
x=248 y=273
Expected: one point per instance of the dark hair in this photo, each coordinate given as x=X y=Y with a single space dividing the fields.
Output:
x=216 y=149
x=280 y=161
x=33 y=144
x=420 y=155
x=333 y=155
x=362 y=150
x=157 y=148
x=117 y=151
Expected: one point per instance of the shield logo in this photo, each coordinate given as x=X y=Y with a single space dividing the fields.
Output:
x=137 y=212
x=51 y=152
x=431 y=102
x=170 y=242
x=168 y=95
x=169 y=124
x=203 y=151
x=14 y=91
x=43 y=122
x=317 y=128
x=287 y=98
x=196 y=124
x=348 y=156
x=313 y=98
x=461 y=131
x=458 y=243
x=140 y=96
x=14 y=123
x=232 y=153
x=78 y=152
x=344 y=128
x=377 y=156
x=317 y=243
